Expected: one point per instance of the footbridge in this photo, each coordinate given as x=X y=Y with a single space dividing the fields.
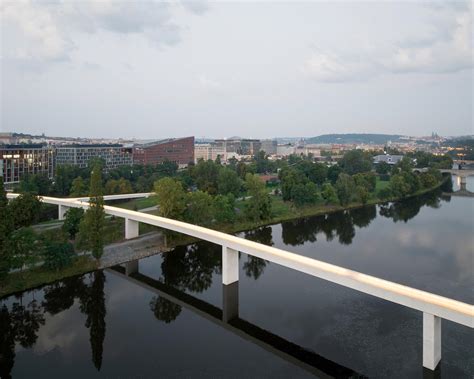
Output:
x=434 y=307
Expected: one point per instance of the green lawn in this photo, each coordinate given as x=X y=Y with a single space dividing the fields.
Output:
x=381 y=184
x=138 y=204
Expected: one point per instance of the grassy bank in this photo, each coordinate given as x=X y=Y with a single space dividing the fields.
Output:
x=28 y=279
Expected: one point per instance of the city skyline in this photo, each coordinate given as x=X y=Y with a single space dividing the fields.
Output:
x=210 y=69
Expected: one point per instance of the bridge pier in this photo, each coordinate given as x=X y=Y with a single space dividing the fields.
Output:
x=431 y=341
x=463 y=183
x=230 y=265
x=131 y=267
x=230 y=301
x=131 y=229
x=62 y=209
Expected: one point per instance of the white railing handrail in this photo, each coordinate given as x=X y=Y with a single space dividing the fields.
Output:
x=427 y=302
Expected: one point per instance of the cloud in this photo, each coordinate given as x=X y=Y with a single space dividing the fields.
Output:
x=449 y=54
x=35 y=32
x=326 y=66
x=446 y=47
x=209 y=84
x=31 y=33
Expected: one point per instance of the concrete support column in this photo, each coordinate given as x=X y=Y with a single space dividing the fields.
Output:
x=230 y=301
x=431 y=341
x=230 y=265
x=62 y=209
x=463 y=184
x=131 y=228
x=131 y=267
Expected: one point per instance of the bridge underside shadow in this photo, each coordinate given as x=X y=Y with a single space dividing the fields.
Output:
x=229 y=319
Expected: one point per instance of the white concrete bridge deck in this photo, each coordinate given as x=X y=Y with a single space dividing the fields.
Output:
x=434 y=307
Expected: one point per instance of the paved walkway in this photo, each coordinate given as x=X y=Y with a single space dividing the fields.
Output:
x=144 y=246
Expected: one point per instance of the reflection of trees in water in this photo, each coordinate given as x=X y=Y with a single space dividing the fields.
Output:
x=261 y=235
x=164 y=310
x=20 y=324
x=338 y=224
x=93 y=305
x=254 y=267
x=447 y=186
x=191 y=267
x=61 y=295
x=7 y=343
x=405 y=210
x=362 y=217
x=26 y=322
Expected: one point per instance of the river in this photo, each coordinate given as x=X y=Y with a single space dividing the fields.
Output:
x=166 y=320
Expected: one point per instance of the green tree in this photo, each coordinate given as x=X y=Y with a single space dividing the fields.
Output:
x=385 y=193
x=171 y=198
x=92 y=224
x=259 y=205
x=412 y=180
x=262 y=164
x=199 y=208
x=205 y=174
x=303 y=194
x=404 y=165
x=315 y=172
x=329 y=194
x=35 y=183
x=228 y=182
x=63 y=178
x=242 y=170
x=398 y=186
x=111 y=187
x=72 y=220
x=333 y=173
x=124 y=186
x=362 y=194
x=24 y=210
x=368 y=180
x=290 y=177
x=345 y=187
x=356 y=161
x=57 y=254
x=382 y=168
x=318 y=173
x=22 y=246
x=78 y=187
x=224 y=208
x=427 y=180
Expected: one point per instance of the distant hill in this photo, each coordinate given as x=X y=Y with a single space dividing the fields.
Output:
x=355 y=138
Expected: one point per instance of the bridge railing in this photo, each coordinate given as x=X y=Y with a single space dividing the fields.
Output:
x=434 y=307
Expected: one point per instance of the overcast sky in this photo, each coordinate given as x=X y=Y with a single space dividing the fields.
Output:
x=154 y=70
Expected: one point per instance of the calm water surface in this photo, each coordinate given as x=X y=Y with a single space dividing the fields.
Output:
x=166 y=320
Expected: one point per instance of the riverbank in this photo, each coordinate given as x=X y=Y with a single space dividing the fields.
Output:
x=285 y=211
x=282 y=211
x=38 y=276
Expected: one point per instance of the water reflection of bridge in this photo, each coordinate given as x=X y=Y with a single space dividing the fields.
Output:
x=462 y=174
x=228 y=318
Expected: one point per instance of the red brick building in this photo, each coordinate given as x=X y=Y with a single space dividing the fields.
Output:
x=179 y=150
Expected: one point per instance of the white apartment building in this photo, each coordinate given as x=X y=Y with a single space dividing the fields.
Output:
x=207 y=151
